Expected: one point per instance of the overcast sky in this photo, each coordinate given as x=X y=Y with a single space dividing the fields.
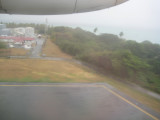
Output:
x=136 y=14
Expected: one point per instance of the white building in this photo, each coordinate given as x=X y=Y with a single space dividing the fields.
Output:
x=29 y=32
x=19 y=31
x=25 y=32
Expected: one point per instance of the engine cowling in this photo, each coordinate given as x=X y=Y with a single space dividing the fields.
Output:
x=52 y=7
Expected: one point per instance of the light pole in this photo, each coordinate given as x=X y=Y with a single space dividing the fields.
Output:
x=46 y=28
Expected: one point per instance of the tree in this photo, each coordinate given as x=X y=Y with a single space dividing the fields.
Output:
x=121 y=34
x=2 y=45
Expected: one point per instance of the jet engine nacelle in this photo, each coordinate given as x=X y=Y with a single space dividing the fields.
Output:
x=53 y=7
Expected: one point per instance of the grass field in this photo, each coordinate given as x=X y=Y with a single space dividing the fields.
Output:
x=13 y=52
x=52 y=50
x=54 y=71
x=18 y=51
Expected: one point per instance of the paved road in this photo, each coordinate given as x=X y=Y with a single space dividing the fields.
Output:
x=39 y=101
x=36 y=51
x=48 y=58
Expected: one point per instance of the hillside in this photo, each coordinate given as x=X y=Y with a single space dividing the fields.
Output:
x=126 y=60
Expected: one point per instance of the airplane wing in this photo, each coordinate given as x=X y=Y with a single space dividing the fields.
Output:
x=53 y=7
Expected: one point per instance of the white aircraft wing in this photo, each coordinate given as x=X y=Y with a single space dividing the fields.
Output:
x=53 y=7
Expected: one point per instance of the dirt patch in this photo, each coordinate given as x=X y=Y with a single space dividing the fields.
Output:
x=52 y=50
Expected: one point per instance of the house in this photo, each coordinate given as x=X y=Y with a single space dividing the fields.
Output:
x=25 y=42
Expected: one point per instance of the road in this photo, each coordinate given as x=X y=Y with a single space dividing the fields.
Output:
x=48 y=58
x=36 y=51
x=51 y=101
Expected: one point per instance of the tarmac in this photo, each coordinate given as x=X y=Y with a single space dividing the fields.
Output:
x=69 y=101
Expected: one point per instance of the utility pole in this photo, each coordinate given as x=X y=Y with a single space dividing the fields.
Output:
x=46 y=27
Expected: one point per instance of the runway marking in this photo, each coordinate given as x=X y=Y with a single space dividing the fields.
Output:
x=127 y=101
x=103 y=86
x=51 y=85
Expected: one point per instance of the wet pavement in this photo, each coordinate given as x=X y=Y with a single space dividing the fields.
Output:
x=49 y=101
x=36 y=51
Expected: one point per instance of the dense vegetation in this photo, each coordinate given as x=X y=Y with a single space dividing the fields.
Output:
x=2 y=45
x=126 y=59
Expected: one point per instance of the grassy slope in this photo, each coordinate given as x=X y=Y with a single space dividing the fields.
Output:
x=52 y=50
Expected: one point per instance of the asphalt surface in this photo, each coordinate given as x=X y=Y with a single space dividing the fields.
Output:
x=36 y=51
x=48 y=101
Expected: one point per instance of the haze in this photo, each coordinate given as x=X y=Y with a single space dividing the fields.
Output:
x=138 y=19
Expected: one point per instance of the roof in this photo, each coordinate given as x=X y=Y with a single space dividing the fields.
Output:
x=17 y=39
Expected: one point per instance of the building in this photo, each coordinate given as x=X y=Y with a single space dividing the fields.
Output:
x=2 y=26
x=19 y=32
x=29 y=32
x=23 y=32
x=21 y=37
x=6 y=39
x=25 y=42
x=5 y=32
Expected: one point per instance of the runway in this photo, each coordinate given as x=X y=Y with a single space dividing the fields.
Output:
x=51 y=101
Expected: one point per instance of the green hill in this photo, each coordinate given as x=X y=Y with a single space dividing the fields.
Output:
x=124 y=59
